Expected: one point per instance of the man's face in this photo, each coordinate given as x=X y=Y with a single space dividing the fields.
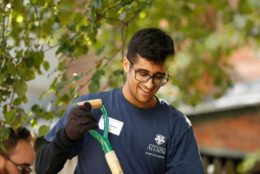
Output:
x=138 y=92
x=22 y=157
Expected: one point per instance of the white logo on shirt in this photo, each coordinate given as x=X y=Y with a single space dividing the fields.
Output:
x=159 y=139
x=157 y=150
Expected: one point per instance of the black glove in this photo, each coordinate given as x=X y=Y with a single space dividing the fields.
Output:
x=79 y=121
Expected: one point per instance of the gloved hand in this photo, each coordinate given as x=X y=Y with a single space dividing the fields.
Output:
x=79 y=121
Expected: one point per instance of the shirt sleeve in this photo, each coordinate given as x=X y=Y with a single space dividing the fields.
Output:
x=184 y=156
x=58 y=150
x=57 y=127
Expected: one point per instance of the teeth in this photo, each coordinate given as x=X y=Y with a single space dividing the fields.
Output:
x=145 y=91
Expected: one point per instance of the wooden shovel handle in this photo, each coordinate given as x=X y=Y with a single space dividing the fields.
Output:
x=95 y=103
x=113 y=163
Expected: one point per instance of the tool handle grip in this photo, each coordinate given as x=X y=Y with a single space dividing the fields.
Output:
x=95 y=103
x=113 y=163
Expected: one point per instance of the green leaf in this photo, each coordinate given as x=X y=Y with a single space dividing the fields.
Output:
x=33 y=122
x=76 y=77
x=61 y=65
x=43 y=130
x=2 y=78
x=95 y=84
x=11 y=69
x=64 y=98
x=20 y=87
x=118 y=72
x=61 y=85
x=48 y=116
x=46 y=65
x=27 y=74
x=99 y=50
x=17 y=101
x=10 y=116
x=66 y=11
x=4 y=133
x=36 y=108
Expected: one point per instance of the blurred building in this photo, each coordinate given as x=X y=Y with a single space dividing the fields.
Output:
x=228 y=129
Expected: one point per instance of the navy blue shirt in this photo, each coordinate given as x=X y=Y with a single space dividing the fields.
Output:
x=157 y=140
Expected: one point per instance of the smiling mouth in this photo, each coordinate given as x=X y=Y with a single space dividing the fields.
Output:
x=149 y=92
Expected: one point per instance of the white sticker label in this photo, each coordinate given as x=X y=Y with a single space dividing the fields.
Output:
x=115 y=126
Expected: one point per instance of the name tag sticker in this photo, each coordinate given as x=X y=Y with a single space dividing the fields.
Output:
x=115 y=126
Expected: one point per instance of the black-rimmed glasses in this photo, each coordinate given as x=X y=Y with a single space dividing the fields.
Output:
x=23 y=168
x=158 y=79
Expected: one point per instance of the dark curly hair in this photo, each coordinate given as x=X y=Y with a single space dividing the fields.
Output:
x=152 y=44
x=14 y=137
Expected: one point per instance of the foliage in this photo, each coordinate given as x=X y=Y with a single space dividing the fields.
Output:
x=250 y=164
x=205 y=34
x=29 y=28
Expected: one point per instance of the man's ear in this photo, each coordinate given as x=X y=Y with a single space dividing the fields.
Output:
x=125 y=64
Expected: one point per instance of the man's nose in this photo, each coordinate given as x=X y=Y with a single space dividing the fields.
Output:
x=149 y=84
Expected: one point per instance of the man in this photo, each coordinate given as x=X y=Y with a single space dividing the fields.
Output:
x=148 y=135
x=18 y=153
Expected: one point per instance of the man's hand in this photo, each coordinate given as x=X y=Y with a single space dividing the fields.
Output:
x=79 y=121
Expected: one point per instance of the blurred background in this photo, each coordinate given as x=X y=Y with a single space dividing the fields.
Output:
x=53 y=51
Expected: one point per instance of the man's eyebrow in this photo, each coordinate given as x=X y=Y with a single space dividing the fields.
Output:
x=144 y=70
x=160 y=73
x=25 y=164
x=140 y=69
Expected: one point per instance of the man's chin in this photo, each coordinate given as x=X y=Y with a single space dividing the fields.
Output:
x=146 y=100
